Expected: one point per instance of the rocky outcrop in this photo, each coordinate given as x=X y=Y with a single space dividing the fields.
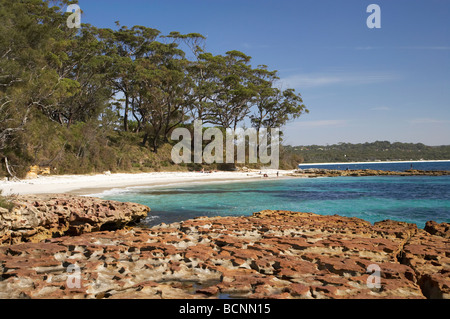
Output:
x=35 y=218
x=429 y=256
x=272 y=254
x=318 y=172
x=36 y=171
x=434 y=228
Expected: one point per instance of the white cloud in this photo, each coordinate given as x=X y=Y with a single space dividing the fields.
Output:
x=322 y=79
x=321 y=123
x=247 y=45
x=367 y=48
x=426 y=47
x=381 y=108
x=427 y=121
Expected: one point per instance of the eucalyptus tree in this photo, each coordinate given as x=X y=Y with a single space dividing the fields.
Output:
x=32 y=35
x=83 y=67
x=205 y=79
x=59 y=82
x=273 y=107
x=224 y=99
x=163 y=95
x=126 y=47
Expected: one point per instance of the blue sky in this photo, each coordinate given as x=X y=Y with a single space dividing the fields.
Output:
x=360 y=84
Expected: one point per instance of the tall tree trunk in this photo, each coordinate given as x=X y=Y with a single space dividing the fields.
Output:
x=155 y=144
x=144 y=141
x=125 y=115
x=8 y=169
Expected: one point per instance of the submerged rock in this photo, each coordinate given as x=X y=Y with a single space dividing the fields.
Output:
x=272 y=254
x=320 y=172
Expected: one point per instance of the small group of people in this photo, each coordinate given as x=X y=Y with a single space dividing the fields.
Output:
x=267 y=175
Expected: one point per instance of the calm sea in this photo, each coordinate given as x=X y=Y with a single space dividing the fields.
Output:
x=385 y=166
x=415 y=199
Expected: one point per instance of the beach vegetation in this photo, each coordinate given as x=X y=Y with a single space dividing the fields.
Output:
x=89 y=99
x=6 y=202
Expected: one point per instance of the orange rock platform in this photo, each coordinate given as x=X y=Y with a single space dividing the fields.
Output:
x=272 y=254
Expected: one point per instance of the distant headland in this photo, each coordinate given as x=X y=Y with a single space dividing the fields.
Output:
x=380 y=151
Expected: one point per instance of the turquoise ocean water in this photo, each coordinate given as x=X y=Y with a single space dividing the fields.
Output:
x=415 y=199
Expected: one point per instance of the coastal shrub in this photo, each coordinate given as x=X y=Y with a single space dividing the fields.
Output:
x=6 y=202
x=164 y=163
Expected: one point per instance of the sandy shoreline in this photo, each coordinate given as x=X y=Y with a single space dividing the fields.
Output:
x=95 y=184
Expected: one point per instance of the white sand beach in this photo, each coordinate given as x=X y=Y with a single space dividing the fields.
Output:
x=95 y=184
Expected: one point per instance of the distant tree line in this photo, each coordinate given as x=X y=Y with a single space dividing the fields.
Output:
x=377 y=151
x=93 y=99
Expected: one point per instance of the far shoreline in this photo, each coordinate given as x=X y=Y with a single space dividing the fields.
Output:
x=380 y=162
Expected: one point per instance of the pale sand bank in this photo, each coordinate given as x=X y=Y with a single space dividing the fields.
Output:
x=95 y=184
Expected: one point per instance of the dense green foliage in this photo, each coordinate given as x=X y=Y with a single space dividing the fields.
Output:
x=90 y=99
x=377 y=151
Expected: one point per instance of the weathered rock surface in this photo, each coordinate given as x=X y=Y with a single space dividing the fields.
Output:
x=429 y=256
x=36 y=218
x=273 y=254
x=434 y=228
